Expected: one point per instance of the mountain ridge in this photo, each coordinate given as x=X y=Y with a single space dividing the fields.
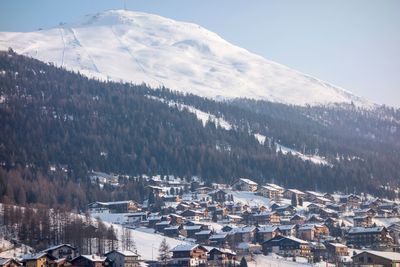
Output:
x=138 y=47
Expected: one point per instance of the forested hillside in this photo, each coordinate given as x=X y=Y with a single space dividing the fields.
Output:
x=52 y=117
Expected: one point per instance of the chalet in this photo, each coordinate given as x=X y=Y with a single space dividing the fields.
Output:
x=189 y=255
x=123 y=258
x=221 y=257
x=234 y=218
x=160 y=226
x=290 y=192
x=191 y=230
x=287 y=246
x=288 y=229
x=136 y=218
x=311 y=196
x=362 y=221
x=191 y=215
x=62 y=251
x=244 y=184
x=365 y=212
x=90 y=261
x=219 y=239
x=203 y=236
x=158 y=191
x=350 y=200
x=172 y=231
x=171 y=198
x=285 y=210
x=264 y=233
x=297 y=219
x=336 y=250
x=314 y=218
x=277 y=187
x=315 y=208
x=266 y=218
x=326 y=213
x=269 y=192
x=336 y=207
x=203 y=190
x=371 y=203
x=113 y=207
x=243 y=234
x=368 y=237
x=376 y=258
x=176 y=219
x=152 y=221
x=10 y=262
x=37 y=260
x=306 y=232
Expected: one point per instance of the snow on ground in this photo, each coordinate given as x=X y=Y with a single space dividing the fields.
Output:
x=277 y=261
x=118 y=218
x=385 y=221
x=147 y=244
x=249 y=198
x=7 y=249
x=313 y=158
x=202 y=116
x=136 y=47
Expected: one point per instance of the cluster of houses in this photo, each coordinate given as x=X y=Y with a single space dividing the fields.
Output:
x=220 y=225
x=67 y=255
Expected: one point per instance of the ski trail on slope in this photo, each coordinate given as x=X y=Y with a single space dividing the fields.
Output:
x=126 y=48
x=85 y=50
x=64 y=45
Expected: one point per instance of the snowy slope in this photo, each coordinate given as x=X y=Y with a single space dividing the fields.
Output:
x=131 y=46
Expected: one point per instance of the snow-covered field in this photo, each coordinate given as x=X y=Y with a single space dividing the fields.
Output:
x=137 y=47
x=248 y=198
x=147 y=244
x=277 y=261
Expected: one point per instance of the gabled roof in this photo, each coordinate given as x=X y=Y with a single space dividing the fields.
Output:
x=393 y=256
x=35 y=256
x=92 y=258
x=248 y=181
x=58 y=246
x=126 y=253
x=186 y=247
x=356 y=230
x=7 y=260
x=223 y=250
x=281 y=237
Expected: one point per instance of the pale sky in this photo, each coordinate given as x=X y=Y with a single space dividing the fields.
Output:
x=353 y=44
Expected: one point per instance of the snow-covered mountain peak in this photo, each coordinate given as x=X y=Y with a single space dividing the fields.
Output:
x=137 y=47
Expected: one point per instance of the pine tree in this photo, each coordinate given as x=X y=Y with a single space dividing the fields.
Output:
x=294 y=200
x=164 y=253
x=243 y=262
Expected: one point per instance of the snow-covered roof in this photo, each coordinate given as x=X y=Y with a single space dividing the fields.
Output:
x=275 y=186
x=267 y=229
x=355 y=230
x=34 y=256
x=94 y=258
x=204 y=232
x=296 y=191
x=184 y=247
x=58 y=246
x=248 y=181
x=394 y=256
x=126 y=253
x=270 y=188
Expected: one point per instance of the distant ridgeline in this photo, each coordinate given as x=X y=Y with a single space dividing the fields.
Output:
x=53 y=117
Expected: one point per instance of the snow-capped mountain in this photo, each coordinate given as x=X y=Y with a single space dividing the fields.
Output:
x=137 y=47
